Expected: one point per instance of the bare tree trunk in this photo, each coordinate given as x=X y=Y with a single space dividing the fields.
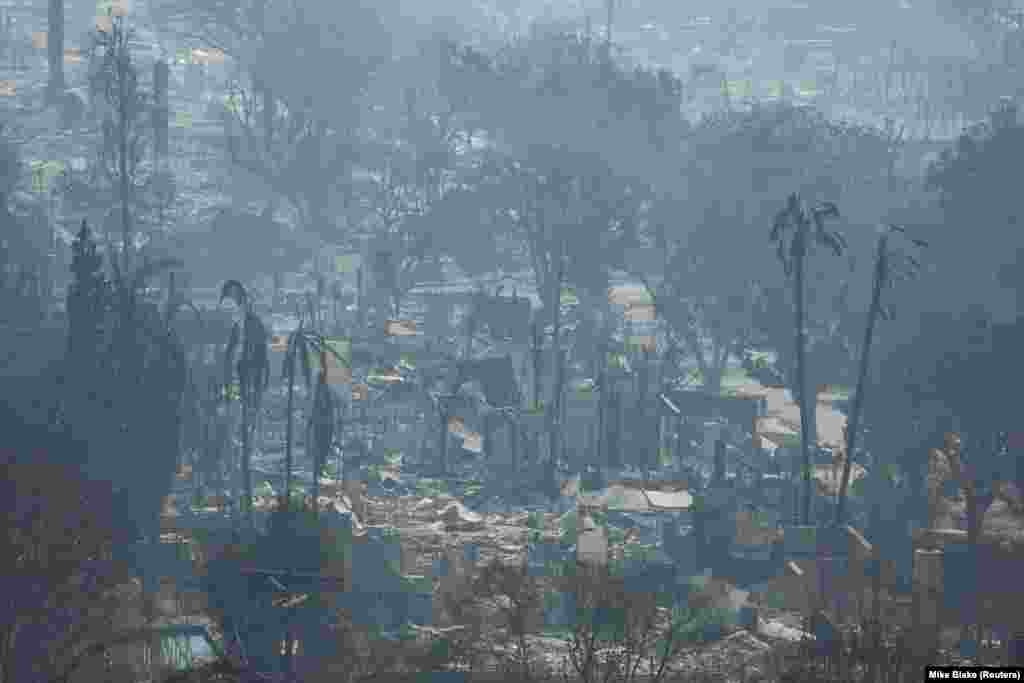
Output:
x=601 y=375
x=289 y=434
x=862 y=375
x=269 y=112
x=805 y=397
x=55 y=49
x=123 y=67
x=246 y=473
x=558 y=365
x=554 y=442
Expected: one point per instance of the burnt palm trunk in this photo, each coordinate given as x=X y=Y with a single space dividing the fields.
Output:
x=978 y=504
x=806 y=404
x=289 y=434
x=558 y=364
x=325 y=415
x=316 y=433
x=124 y=116
x=555 y=422
x=246 y=445
x=862 y=375
x=602 y=399
x=269 y=112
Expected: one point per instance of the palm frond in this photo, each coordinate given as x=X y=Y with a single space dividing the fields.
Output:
x=778 y=225
x=833 y=241
x=173 y=310
x=826 y=210
x=328 y=348
x=235 y=291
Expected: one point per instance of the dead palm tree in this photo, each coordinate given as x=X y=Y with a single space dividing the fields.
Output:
x=252 y=371
x=322 y=426
x=804 y=226
x=301 y=343
x=890 y=267
x=297 y=351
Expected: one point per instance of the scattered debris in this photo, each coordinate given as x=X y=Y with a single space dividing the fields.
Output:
x=780 y=631
x=457 y=517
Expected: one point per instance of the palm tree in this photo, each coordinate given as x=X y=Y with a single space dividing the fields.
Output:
x=322 y=422
x=301 y=343
x=890 y=267
x=297 y=351
x=252 y=370
x=807 y=227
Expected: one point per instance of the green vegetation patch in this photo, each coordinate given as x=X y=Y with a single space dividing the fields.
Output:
x=535 y=520
x=432 y=488
x=616 y=536
x=568 y=524
x=788 y=441
x=414 y=583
